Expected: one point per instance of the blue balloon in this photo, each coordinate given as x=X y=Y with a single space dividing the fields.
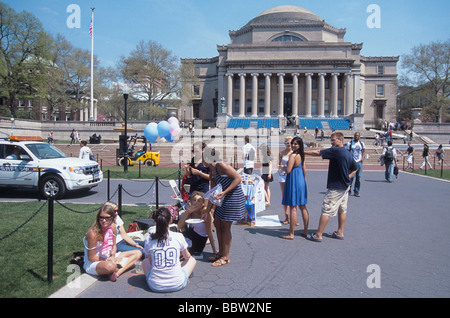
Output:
x=151 y=133
x=163 y=129
x=170 y=138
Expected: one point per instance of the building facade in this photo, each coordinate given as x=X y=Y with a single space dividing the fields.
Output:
x=289 y=62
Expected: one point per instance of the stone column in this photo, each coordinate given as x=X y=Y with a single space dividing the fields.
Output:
x=255 y=95
x=334 y=94
x=242 y=95
x=281 y=94
x=321 y=100
x=230 y=95
x=348 y=94
x=295 y=94
x=267 y=95
x=308 y=96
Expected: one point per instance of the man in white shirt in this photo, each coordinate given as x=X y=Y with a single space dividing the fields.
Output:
x=357 y=148
x=249 y=156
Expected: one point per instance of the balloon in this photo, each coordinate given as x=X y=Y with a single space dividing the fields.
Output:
x=173 y=120
x=151 y=132
x=174 y=129
x=170 y=138
x=163 y=128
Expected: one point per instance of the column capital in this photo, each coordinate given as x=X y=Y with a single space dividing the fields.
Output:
x=295 y=74
x=334 y=74
x=254 y=74
x=281 y=74
x=267 y=74
x=229 y=74
x=348 y=74
x=242 y=74
x=322 y=74
x=309 y=74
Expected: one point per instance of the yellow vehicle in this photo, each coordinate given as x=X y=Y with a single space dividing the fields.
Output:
x=143 y=157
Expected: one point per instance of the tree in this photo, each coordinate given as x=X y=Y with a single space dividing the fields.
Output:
x=152 y=71
x=428 y=68
x=23 y=55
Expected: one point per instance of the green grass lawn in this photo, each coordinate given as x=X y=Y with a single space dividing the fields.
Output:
x=164 y=173
x=436 y=173
x=23 y=257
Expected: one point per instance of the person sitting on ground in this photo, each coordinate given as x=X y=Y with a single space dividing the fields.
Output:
x=197 y=233
x=163 y=270
x=123 y=241
x=100 y=258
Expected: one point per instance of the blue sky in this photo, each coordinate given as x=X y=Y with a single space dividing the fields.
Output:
x=193 y=28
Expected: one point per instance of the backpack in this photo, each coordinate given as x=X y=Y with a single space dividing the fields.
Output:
x=389 y=155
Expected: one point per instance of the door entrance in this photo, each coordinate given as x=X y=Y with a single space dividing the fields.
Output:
x=287 y=104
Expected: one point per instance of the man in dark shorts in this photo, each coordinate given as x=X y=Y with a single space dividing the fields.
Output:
x=341 y=169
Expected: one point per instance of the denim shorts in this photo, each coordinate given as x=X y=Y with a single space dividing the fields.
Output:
x=171 y=290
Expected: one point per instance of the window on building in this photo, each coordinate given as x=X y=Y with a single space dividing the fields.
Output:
x=314 y=83
x=287 y=38
x=340 y=107
x=380 y=69
x=327 y=107
x=261 y=106
x=261 y=83
x=314 y=107
x=380 y=90
x=196 y=90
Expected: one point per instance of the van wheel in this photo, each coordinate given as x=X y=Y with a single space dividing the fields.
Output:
x=52 y=187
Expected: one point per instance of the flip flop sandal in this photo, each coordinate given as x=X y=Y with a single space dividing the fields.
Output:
x=311 y=237
x=220 y=262
x=335 y=236
x=214 y=258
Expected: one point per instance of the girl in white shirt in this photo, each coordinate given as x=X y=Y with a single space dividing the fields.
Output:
x=163 y=270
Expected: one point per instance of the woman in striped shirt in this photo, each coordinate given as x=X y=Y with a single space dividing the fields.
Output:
x=232 y=207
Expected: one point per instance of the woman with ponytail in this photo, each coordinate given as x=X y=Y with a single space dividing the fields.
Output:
x=163 y=270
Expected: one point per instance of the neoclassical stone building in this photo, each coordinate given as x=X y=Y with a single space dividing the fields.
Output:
x=288 y=61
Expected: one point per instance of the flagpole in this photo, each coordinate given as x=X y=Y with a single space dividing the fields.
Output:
x=91 y=31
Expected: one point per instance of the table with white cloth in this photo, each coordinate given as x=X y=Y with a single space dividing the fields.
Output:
x=255 y=202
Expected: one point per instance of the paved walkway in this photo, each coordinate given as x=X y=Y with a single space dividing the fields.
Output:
x=396 y=246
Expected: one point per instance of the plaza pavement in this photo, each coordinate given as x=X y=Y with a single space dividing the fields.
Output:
x=396 y=246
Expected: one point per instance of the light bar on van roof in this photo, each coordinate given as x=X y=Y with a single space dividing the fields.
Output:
x=25 y=138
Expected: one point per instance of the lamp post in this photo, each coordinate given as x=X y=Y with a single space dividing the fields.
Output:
x=126 y=91
x=12 y=124
x=222 y=104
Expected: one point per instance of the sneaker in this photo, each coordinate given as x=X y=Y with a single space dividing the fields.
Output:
x=357 y=195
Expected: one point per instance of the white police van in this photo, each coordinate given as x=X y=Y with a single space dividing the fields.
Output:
x=29 y=162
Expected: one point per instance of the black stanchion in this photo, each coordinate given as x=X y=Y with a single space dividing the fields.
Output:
x=139 y=169
x=157 y=191
x=108 y=185
x=119 y=199
x=50 y=241
x=179 y=174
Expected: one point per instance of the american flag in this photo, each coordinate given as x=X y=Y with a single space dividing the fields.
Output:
x=91 y=27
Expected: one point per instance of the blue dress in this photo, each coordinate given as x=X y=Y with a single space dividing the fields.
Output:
x=295 y=192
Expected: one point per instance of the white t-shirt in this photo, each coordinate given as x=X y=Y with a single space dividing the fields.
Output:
x=356 y=148
x=166 y=272
x=249 y=156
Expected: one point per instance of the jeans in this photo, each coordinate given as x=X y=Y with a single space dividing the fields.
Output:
x=389 y=170
x=122 y=246
x=357 y=178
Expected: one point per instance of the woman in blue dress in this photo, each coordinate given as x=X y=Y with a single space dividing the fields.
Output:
x=295 y=191
x=233 y=202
